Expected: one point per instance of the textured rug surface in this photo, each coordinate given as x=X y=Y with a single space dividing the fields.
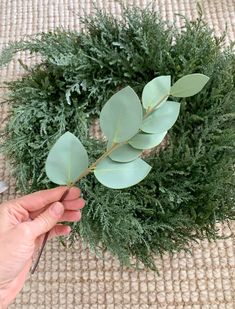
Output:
x=75 y=278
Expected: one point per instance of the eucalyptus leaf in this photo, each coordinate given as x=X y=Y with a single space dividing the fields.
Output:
x=121 y=116
x=157 y=90
x=3 y=186
x=66 y=160
x=124 y=153
x=147 y=141
x=162 y=119
x=189 y=85
x=121 y=175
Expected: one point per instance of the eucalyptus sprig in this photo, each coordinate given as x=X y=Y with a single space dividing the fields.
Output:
x=130 y=128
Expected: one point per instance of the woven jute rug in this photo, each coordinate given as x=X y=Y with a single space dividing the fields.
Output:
x=75 y=278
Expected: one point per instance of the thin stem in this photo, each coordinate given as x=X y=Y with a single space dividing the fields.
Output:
x=151 y=109
x=46 y=236
x=93 y=165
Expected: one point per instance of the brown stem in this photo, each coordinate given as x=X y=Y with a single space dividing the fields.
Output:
x=45 y=238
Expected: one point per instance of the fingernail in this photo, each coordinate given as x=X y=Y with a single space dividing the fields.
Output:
x=57 y=209
x=68 y=229
x=83 y=201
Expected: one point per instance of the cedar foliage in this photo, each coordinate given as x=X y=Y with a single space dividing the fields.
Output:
x=190 y=187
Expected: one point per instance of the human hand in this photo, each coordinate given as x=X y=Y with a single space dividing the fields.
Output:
x=23 y=224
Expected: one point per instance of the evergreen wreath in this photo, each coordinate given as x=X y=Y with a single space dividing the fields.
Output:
x=190 y=187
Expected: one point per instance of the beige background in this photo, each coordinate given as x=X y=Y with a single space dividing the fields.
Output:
x=75 y=278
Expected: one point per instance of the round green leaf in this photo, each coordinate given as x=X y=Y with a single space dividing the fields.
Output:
x=121 y=116
x=147 y=141
x=121 y=175
x=124 y=153
x=66 y=160
x=189 y=85
x=162 y=119
x=157 y=89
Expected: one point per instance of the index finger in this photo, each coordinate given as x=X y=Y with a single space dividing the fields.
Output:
x=40 y=199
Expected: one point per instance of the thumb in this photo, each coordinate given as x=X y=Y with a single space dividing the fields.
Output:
x=47 y=220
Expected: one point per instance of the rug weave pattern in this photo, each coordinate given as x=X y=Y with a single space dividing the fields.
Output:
x=75 y=278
